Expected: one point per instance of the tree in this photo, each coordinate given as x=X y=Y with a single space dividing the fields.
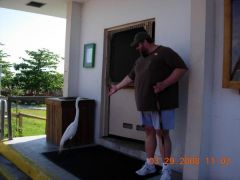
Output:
x=6 y=74
x=37 y=74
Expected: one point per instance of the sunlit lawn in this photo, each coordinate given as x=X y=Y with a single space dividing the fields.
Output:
x=30 y=126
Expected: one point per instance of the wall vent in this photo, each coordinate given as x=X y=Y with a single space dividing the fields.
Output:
x=35 y=4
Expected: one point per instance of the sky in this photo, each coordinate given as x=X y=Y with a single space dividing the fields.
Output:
x=20 y=31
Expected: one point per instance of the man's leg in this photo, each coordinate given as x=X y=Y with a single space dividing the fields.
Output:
x=165 y=149
x=150 y=142
x=150 y=147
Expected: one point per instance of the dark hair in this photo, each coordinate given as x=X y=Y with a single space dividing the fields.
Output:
x=149 y=40
x=140 y=37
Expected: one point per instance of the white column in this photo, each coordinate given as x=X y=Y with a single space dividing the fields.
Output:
x=200 y=84
x=72 y=49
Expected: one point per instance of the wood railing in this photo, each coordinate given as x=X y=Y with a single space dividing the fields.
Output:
x=19 y=116
x=11 y=99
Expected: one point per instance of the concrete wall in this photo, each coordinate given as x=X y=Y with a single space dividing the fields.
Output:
x=208 y=122
x=213 y=119
x=225 y=123
x=200 y=89
x=72 y=49
x=172 y=29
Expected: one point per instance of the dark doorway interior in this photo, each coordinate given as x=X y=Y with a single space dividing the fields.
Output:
x=122 y=56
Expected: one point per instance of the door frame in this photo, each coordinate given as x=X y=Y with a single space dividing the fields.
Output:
x=148 y=25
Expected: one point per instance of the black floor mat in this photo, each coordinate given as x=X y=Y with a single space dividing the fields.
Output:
x=97 y=162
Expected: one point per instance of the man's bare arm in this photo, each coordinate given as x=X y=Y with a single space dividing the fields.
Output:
x=173 y=78
x=114 y=88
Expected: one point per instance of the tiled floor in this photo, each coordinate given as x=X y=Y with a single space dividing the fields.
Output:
x=33 y=147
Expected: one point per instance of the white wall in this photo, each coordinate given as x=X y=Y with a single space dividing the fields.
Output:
x=225 y=124
x=213 y=118
x=172 y=29
x=72 y=49
x=175 y=21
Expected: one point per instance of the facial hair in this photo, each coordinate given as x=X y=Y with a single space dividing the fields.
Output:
x=143 y=52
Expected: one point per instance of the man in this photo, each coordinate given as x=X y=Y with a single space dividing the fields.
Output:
x=155 y=76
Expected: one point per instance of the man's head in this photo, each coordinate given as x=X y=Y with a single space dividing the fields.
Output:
x=142 y=42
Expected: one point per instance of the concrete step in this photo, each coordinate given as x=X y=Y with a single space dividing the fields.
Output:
x=9 y=171
x=26 y=154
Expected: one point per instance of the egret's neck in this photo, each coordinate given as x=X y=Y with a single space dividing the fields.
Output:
x=77 y=112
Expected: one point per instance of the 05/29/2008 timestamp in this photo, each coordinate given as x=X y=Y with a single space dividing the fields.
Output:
x=194 y=160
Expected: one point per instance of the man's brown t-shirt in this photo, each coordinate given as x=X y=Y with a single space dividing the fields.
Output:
x=147 y=71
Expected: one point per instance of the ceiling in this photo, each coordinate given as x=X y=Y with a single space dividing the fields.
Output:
x=56 y=8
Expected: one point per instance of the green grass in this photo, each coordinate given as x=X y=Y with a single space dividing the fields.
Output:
x=30 y=126
x=36 y=112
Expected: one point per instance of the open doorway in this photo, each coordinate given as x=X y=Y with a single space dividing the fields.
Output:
x=120 y=114
x=32 y=46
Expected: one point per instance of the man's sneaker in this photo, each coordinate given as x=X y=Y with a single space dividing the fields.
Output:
x=166 y=174
x=146 y=169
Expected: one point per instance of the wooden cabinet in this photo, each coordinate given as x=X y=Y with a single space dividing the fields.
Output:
x=61 y=112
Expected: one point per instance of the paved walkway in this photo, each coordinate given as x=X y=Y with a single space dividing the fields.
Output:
x=26 y=153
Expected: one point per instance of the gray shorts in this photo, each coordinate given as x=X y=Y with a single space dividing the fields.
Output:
x=153 y=118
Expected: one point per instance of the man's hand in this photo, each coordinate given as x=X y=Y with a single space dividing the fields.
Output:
x=159 y=87
x=112 y=90
x=123 y=83
x=173 y=78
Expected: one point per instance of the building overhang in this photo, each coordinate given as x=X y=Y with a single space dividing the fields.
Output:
x=57 y=8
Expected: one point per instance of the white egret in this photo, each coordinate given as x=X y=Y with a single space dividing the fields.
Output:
x=72 y=128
